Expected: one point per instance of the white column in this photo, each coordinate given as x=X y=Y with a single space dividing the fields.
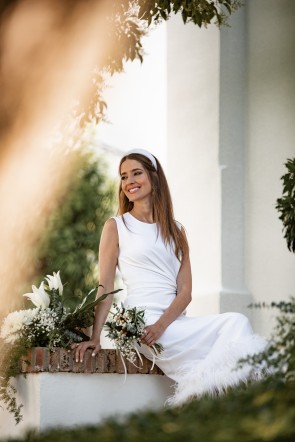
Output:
x=192 y=147
x=233 y=100
x=206 y=150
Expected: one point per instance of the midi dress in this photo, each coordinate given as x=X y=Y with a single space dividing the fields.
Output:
x=200 y=353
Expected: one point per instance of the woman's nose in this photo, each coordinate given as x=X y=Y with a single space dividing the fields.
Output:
x=130 y=180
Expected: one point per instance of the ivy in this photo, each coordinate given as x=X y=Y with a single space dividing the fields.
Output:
x=10 y=366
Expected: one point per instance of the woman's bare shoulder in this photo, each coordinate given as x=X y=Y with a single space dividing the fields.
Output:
x=110 y=226
x=110 y=222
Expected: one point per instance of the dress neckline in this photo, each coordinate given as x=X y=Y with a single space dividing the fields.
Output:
x=141 y=222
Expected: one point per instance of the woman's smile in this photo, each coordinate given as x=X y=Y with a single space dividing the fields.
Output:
x=133 y=189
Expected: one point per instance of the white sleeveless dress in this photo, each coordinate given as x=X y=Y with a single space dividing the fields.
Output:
x=200 y=353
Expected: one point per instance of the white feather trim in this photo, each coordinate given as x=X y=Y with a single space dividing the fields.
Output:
x=218 y=371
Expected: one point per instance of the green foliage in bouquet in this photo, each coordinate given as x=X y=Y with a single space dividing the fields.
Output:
x=286 y=204
x=126 y=329
x=51 y=323
x=264 y=411
x=74 y=228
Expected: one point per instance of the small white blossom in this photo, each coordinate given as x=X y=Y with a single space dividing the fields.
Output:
x=46 y=320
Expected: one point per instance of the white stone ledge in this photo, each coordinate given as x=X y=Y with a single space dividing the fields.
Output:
x=54 y=400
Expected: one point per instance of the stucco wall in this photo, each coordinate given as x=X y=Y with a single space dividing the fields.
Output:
x=230 y=128
x=270 y=267
x=53 y=400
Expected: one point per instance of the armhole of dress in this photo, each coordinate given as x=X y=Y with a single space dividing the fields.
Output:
x=118 y=227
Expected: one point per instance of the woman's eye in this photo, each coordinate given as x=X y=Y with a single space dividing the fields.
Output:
x=123 y=178
x=137 y=173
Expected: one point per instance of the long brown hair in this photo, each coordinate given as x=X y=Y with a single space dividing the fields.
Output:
x=161 y=204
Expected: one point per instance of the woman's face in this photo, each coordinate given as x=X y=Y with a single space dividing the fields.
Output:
x=135 y=181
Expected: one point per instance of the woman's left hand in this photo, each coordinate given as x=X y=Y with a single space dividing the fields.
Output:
x=152 y=334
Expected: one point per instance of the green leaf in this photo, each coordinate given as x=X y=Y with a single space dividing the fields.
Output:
x=184 y=16
x=86 y=298
x=197 y=19
x=177 y=5
x=91 y=305
x=163 y=14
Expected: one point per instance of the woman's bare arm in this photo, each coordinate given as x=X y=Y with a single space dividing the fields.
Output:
x=108 y=257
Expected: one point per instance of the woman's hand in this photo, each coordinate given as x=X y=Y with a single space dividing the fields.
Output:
x=152 y=334
x=83 y=346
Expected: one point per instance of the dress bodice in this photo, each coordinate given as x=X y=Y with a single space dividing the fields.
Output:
x=148 y=266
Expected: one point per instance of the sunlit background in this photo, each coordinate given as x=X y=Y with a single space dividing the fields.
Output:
x=217 y=109
x=137 y=102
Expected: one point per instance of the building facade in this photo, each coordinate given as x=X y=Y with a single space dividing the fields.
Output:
x=230 y=129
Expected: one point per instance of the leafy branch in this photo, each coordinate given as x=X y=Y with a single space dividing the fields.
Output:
x=278 y=358
x=199 y=12
x=286 y=204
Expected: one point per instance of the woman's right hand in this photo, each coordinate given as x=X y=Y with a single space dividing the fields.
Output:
x=83 y=346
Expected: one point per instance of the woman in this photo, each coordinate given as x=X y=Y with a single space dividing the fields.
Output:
x=151 y=251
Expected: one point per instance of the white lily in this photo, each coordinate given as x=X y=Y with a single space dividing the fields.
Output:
x=54 y=282
x=39 y=297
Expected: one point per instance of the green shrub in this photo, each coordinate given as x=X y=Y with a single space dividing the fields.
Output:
x=286 y=204
x=71 y=241
x=263 y=412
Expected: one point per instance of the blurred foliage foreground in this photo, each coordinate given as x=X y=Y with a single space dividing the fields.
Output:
x=263 y=411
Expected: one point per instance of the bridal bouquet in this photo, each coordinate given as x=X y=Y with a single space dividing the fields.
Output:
x=49 y=323
x=126 y=329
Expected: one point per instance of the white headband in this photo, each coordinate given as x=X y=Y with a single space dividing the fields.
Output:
x=144 y=153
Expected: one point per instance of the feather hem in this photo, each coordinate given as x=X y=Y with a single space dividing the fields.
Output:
x=213 y=375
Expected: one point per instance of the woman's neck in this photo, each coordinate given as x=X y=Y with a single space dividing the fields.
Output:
x=143 y=212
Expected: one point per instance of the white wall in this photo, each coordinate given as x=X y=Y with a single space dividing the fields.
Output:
x=137 y=102
x=270 y=267
x=59 y=400
x=221 y=105
x=230 y=129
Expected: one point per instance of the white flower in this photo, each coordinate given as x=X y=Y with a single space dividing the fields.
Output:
x=14 y=323
x=39 y=297
x=29 y=315
x=44 y=321
x=54 y=282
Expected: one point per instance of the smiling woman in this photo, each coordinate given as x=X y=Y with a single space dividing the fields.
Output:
x=151 y=251
x=146 y=195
